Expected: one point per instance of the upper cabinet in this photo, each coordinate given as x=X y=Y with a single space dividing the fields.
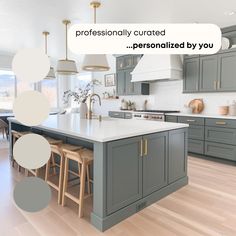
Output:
x=214 y=73
x=124 y=86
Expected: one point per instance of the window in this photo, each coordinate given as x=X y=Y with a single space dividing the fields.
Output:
x=7 y=90
x=49 y=89
x=22 y=86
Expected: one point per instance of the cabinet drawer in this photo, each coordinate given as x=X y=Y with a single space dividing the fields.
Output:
x=226 y=123
x=220 y=150
x=128 y=115
x=196 y=146
x=191 y=120
x=116 y=114
x=196 y=132
x=220 y=135
x=171 y=119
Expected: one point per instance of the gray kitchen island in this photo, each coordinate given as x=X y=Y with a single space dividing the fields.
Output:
x=136 y=162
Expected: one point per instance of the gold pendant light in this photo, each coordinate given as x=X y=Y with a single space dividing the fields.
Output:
x=95 y=62
x=66 y=66
x=51 y=73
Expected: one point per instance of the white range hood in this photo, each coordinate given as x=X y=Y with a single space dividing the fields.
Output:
x=158 y=67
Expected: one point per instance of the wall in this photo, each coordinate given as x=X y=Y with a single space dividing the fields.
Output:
x=163 y=95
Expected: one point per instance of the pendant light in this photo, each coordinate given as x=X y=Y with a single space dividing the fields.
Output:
x=51 y=73
x=65 y=66
x=95 y=62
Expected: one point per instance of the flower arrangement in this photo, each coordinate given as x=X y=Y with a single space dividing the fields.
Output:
x=81 y=94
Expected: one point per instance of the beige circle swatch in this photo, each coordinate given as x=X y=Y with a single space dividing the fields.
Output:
x=31 y=108
x=31 y=151
x=31 y=65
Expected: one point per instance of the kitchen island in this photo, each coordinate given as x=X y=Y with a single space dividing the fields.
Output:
x=136 y=162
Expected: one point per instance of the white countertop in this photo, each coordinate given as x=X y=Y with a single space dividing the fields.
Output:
x=107 y=130
x=203 y=115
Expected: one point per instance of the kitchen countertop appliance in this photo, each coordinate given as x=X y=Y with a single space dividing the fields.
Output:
x=156 y=115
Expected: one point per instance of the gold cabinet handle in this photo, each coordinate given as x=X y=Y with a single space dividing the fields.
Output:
x=145 y=147
x=141 y=147
x=190 y=120
x=220 y=123
x=215 y=84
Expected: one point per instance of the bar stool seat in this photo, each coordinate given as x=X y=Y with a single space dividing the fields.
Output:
x=56 y=149
x=50 y=141
x=84 y=158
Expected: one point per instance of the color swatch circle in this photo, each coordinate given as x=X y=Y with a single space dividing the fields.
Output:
x=31 y=108
x=31 y=151
x=31 y=65
x=32 y=194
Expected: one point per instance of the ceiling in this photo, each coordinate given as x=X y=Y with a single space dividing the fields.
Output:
x=22 y=21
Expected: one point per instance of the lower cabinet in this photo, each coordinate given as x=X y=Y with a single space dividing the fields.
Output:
x=177 y=163
x=155 y=162
x=139 y=166
x=196 y=146
x=124 y=173
x=220 y=150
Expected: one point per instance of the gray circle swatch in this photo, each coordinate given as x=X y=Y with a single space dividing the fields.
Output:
x=31 y=65
x=32 y=194
x=31 y=151
x=31 y=108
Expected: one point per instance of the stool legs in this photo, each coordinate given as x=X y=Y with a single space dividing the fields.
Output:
x=82 y=188
x=88 y=180
x=65 y=181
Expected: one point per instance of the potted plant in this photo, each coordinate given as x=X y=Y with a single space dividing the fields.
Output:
x=80 y=96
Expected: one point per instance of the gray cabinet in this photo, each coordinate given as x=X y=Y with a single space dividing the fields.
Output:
x=227 y=71
x=140 y=166
x=124 y=173
x=220 y=150
x=177 y=164
x=116 y=114
x=155 y=162
x=120 y=83
x=208 y=73
x=124 y=86
x=196 y=146
x=191 y=74
x=196 y=132
x=173 y=119
x=191 y=120
x=214 y=73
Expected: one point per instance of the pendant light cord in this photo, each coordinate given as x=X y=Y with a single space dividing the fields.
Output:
x=66 y=43
x=95 y=15
x=45 y=33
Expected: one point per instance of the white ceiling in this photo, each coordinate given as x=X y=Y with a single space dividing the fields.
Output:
x=22 y=21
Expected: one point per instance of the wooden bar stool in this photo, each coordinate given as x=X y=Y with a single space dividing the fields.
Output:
x=16 y=135
x=56 y=149
x=50 y=141
x=84 y=158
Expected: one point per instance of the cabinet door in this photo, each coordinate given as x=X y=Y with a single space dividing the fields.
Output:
x=171 y=119
x=128 y=84
x=155 y=162
x=191 y=75
x=177 y=164
x=227 y=71
x=124 y=173
x=208 y=73
x=196 y=132
x=120 y=83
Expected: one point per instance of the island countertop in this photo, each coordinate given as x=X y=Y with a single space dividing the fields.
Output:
x=108 y=129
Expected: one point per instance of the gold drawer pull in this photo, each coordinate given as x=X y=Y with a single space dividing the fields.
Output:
x=191 y=120
x=220 y=123
x=141 y=147
x=145 y=147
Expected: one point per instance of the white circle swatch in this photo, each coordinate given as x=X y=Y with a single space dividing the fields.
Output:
x=31 y=108
x=31 y=151
x=31 y=65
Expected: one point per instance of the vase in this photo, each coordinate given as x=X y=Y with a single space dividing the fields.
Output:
x=83 y=110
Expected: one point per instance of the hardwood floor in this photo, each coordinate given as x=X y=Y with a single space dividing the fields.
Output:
x=207 y=206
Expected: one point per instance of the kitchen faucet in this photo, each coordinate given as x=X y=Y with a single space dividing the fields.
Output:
x=89 y=114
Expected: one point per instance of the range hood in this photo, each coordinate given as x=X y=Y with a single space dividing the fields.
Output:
x=158 y=67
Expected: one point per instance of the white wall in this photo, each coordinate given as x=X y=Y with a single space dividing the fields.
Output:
x=163 y=95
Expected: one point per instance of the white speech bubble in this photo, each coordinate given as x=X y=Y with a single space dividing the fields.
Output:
x=144 y=38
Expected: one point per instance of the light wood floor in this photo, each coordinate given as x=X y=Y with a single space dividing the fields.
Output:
x=207 y=206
